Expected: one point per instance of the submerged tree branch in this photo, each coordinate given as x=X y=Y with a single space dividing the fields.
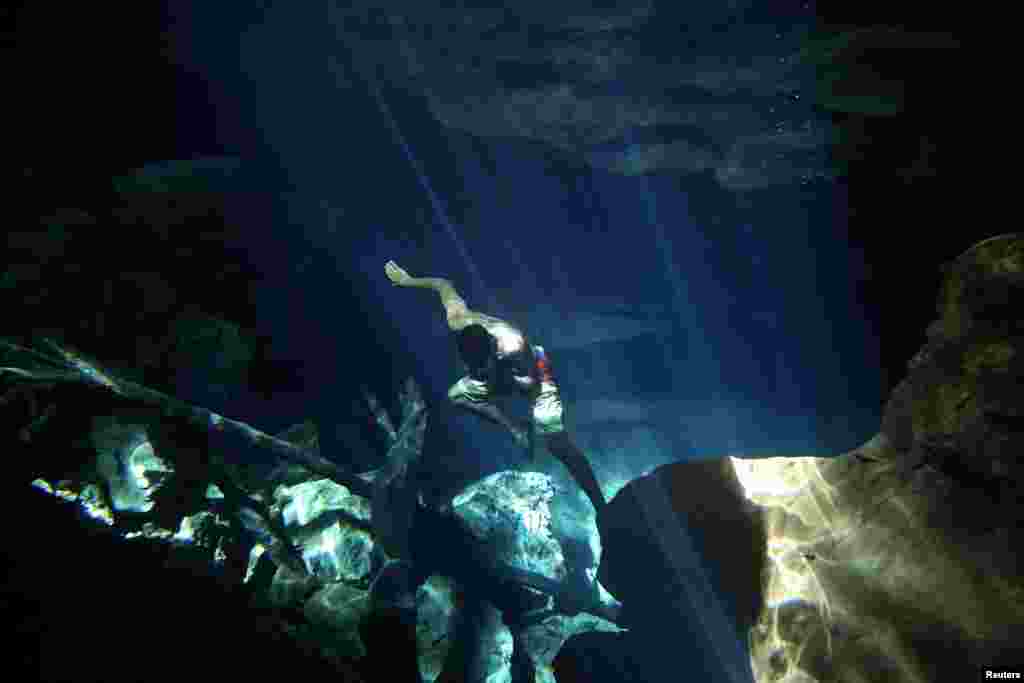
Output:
x=61 y=365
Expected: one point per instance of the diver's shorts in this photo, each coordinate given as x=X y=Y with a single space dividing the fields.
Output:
x=547 y=410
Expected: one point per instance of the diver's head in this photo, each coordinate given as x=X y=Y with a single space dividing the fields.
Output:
x=477 y=347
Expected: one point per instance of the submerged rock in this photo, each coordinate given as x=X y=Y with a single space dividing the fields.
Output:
x=901 y=559
x=897 y=561
x=436 y=615
x=128 y=462
x=332 y=548
x=872 y=570
x=509 y=512
x=337 y=609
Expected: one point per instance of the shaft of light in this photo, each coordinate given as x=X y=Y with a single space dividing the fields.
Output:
x=435 y=203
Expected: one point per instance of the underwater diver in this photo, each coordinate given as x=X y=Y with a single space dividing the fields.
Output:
x=501 y=362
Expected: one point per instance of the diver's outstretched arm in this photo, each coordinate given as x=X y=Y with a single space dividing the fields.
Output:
x=454 y=306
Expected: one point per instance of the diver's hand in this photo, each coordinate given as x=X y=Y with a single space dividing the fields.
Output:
x=396 y=274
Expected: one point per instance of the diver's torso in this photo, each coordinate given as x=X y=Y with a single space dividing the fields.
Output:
x=515 y=358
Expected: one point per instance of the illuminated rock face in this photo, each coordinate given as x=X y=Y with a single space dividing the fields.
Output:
x=126 y=460
x=901 y=561
x=331 y=549
x=867 y=574
x=509 y=512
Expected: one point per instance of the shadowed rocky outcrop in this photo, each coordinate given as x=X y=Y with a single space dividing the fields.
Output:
x=898 y=561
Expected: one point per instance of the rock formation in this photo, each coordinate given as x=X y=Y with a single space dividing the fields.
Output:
x=898 y=561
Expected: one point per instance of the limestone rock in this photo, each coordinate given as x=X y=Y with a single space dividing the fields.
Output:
x=337 y=608
x=435 y=623
x=127 y=461
x=331 y=547
x=871 y=573
x=509 y=512
x=544 y=640
x=901 y=559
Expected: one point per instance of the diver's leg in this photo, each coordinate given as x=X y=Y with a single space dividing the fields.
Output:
x=474 y=395
x=579 y=467
x=548 y=421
